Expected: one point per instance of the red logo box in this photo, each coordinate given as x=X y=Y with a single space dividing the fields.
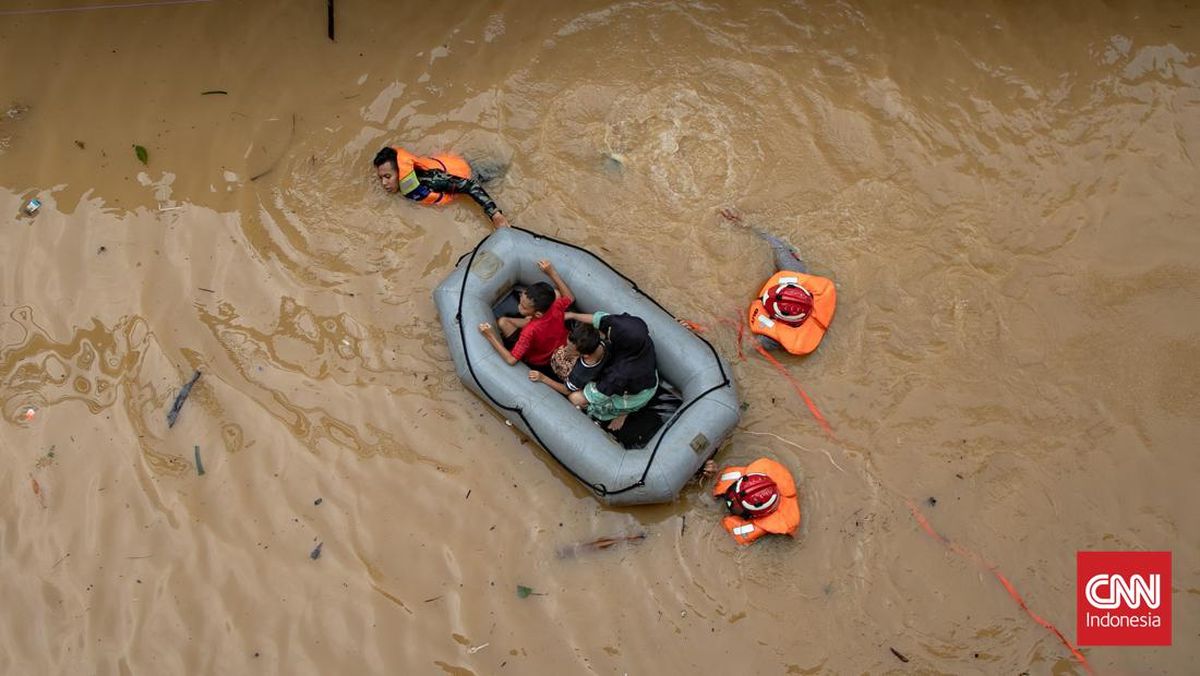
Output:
x=1123 y=598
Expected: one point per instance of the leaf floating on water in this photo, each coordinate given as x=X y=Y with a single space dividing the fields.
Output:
x=199 y=465
x=142 y=155
x=316 y=552
x=745 y=405
x=523 y=591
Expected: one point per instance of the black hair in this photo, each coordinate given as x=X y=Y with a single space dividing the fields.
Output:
x=541 y=295
x=384 y=156
x=585 y=338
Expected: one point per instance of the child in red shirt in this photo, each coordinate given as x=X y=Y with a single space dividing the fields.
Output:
x=542 y=324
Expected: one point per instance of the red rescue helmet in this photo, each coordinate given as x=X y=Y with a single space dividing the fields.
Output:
x=789 y=303
x=752 y=496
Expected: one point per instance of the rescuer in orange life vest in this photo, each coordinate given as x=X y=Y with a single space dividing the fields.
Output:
x=433 y=180
x=761 y=498
x=793 y=309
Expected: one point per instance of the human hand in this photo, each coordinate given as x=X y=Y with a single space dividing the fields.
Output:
x=499 y=220
x=485 y=328
x=536 y=376
x=545 y=266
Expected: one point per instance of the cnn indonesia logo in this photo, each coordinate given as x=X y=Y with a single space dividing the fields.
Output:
x=1123 y=598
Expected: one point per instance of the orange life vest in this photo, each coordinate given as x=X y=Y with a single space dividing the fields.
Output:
x=796 y=339
x=783 y=521
x=407 y=164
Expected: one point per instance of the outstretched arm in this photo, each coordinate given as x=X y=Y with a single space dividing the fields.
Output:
x=539 y=377
x=489 y=333
x=548 y=268
x=444 y=182
x=592 y=318
x=786 y=256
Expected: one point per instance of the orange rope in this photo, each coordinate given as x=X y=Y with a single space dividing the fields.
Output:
x=916 y=512
x=1008 y=586
x=738 y=326
x=799 y=390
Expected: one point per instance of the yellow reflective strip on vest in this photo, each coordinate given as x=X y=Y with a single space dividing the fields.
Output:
x=409 y=183
x=730 y=476
x=789 y=280
x=765 y=321
x=743 y=530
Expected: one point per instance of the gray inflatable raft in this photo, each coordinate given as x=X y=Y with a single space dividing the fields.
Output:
x=651 y=474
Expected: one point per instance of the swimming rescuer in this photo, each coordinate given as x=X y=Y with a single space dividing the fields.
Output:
x=793 y=309
x=761 y=498
x=433 y=180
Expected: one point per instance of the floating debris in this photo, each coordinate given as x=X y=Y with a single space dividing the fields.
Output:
x=173 y=414
x=291 y=136
x=37 y=491
x=316 y=552
x=614 y=162
x=199 y=465
x=31 y=207
x=598 y=544
x=214 y=91
x=142 y=154
x=899 y=656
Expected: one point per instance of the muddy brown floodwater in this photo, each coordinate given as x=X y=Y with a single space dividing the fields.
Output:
x=1005 y=193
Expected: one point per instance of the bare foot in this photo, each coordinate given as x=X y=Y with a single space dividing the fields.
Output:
x=617 y=423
